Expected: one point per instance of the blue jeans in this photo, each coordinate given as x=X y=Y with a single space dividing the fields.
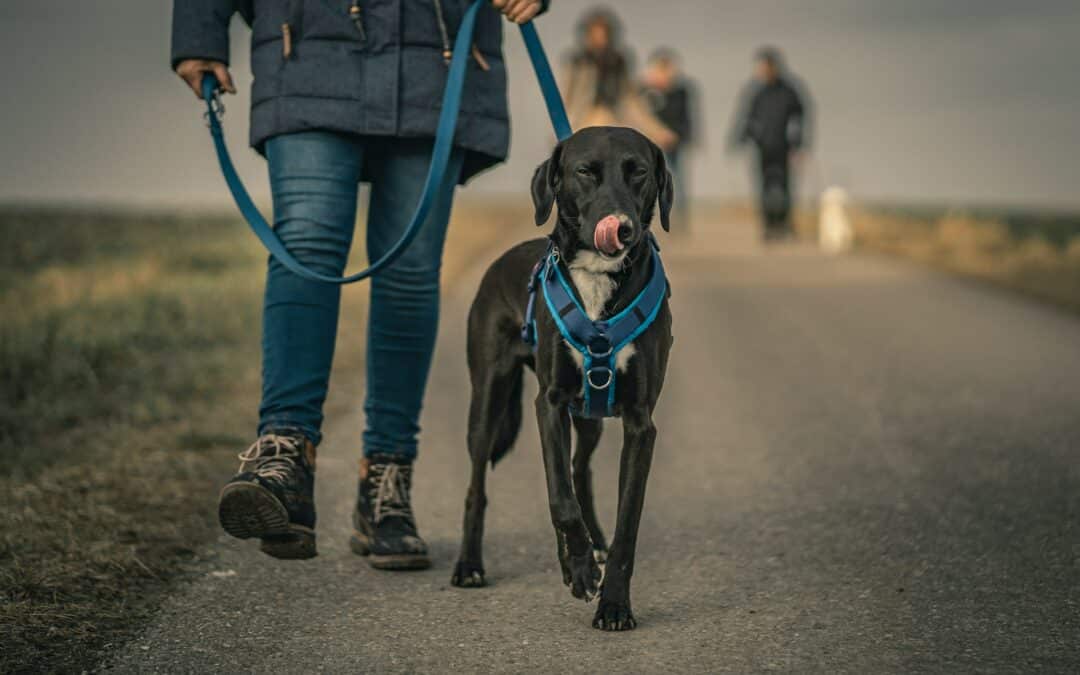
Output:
x=314 y=178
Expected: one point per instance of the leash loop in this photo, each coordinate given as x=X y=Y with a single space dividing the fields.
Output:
x=440 y=154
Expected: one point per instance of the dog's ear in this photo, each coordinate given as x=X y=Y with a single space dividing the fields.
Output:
x=544 y=183
x=665 y=189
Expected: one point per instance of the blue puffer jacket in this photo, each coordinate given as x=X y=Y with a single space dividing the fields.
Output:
x=379 y=70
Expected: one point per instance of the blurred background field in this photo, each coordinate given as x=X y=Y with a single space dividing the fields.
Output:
x=1037 y=253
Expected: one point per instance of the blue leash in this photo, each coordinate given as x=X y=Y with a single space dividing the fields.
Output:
x=440 y=156
x=552 y=98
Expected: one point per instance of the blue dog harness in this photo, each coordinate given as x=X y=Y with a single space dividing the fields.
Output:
x=599 y=342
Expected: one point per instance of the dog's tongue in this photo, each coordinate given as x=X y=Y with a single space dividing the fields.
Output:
x=606 y=237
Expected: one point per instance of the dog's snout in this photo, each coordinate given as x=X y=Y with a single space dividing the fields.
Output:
x=614 y=232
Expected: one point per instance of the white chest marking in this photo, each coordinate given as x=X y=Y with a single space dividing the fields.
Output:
x=589 y=272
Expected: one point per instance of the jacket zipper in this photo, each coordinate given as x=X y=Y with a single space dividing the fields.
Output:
x=286 y=40
x=447 y=52
x=357 y=16
x=443 y=32
x=291 y=29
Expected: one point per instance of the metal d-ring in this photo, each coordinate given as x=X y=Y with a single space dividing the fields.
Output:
x=600 y=355
x=589 y=377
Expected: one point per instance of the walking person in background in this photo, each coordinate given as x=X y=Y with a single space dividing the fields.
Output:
x=671 y=98
x=773 y=114
x=597 y=83
x=323 y=129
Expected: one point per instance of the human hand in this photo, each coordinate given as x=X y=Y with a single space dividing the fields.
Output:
x=192 y=70
x=518 y=11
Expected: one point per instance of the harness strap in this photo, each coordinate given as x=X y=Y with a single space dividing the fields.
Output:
x=528 y=329
x=440 y=156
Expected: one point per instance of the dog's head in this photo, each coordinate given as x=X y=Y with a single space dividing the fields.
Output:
x=607 y=182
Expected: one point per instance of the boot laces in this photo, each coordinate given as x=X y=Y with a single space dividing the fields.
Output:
x=390 y=492
x=273 y=455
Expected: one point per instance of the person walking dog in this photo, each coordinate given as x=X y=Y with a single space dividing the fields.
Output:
x=774 y=115
x=345 y=93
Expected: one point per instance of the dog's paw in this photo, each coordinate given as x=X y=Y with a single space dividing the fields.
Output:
x=468 y=575
x=585 y=576
x=613 y=616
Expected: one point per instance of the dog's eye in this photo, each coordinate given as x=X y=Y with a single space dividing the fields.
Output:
x=641 y=172
x=584 y=171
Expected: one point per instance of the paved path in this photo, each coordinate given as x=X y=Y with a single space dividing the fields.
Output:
x=862 y=466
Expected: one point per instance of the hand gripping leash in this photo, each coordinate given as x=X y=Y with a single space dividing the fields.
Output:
x=440 y=156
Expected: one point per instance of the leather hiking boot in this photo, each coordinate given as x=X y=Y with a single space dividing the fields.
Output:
x=384 y=526
x=273 y=495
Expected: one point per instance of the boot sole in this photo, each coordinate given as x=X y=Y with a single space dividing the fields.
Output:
x=359 y=544
x=248 y=511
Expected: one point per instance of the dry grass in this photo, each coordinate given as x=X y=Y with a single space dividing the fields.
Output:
x=978 y=247
x=120 y=394
x=127 y=382
x=1032 y=252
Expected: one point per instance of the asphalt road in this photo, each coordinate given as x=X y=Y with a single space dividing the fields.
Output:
x=862 y=466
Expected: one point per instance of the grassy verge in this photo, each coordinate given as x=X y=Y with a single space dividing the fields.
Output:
x=1038 y=255
x=128 y=381
x=1033 y=252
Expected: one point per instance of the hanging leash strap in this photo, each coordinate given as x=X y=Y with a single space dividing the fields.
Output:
x=599 y=342
x=440 y=156
x=548 y=87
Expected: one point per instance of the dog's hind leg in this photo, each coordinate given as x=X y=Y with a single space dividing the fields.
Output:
x=494 y=420
x=588 y=437
x=613 y=611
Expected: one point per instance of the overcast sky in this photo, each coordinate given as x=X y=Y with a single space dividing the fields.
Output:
x=949 y=101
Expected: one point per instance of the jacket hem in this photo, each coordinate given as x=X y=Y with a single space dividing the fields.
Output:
x=485 y=138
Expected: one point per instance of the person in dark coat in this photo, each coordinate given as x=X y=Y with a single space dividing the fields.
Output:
x=346 y=92
x=671 y=97
x=773 y=115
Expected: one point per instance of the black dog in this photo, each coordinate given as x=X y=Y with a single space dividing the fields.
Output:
x=598 y=174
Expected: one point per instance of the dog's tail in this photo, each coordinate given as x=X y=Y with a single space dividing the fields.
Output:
x=510 y=422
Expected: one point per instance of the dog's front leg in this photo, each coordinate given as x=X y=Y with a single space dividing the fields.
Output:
x=553 y=418
x=613 y=611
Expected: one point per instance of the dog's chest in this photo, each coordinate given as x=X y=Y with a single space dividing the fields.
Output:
x=595 y=288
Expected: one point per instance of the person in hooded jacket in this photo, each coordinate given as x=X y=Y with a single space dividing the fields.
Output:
x=348 y=92
x=598 y=84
